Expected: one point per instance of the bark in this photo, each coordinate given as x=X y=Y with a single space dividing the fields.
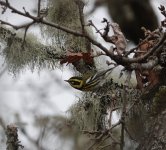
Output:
x=155 y=133
x=155 y=138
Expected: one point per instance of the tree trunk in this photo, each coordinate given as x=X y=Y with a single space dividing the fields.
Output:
x=155 y=135
x=155 y=138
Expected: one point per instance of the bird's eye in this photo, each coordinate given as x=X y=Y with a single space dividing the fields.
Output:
x=72 y=82
x=75 y=82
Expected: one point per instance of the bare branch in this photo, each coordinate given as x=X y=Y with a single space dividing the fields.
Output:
x=92 y=24
x=115 y=125
x=119 y=59
x=152 y=62
x=26 y=29
x=163 y=12
x=123 y=118
x=115 y=108
x=107 y=28
x=150 y=52
x=14 y=10
x=38 y=10
x=15 y=26
x=104 y=35
x=90 y=132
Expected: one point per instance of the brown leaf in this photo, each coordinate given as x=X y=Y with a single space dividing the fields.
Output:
x=118 y=39
x=75 y=57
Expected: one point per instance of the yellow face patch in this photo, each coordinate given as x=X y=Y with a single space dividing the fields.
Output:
x=76 y=83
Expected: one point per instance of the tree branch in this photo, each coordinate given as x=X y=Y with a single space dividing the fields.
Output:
x=123 y=118
x=152 y=62
x=119 y=59
x=16 y=27
x=38 y=10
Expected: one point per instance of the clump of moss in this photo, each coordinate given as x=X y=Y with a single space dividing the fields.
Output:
x=86 y=113
x=90 y=111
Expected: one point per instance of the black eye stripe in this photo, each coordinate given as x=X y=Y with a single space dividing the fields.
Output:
x=75 y=82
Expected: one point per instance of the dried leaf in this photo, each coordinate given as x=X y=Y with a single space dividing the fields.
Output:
x=119 y=39
x=75 y=57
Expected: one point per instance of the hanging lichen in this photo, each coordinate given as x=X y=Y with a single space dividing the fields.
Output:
x=30 y=54
x=64 y=13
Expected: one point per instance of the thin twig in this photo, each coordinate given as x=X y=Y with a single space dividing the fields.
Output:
x=91 y=132
x=122 y=135
x=14 y=10
x=136 y=48
x=107 y=28
x=15 y=26
x=115 y=125
x=115 y=108
x=97 y=30
x=131 y=50
x=38 y=10
x=123 y=118
x=25 y=33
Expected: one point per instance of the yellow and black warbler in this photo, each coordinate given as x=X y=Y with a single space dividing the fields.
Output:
x=89 y=83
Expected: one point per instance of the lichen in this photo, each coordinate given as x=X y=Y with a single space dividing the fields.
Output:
x=31 y=54
x=86 y=113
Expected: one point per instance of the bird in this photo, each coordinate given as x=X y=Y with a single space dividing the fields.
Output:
x=89 y=82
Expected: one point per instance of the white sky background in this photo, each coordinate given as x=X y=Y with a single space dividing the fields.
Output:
x=27 y=93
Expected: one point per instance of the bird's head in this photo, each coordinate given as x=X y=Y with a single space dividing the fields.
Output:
x=76 y=82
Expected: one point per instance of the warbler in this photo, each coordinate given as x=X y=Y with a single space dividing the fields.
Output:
x=89 y=83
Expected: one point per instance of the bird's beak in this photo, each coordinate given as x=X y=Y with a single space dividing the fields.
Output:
x=66 y=80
